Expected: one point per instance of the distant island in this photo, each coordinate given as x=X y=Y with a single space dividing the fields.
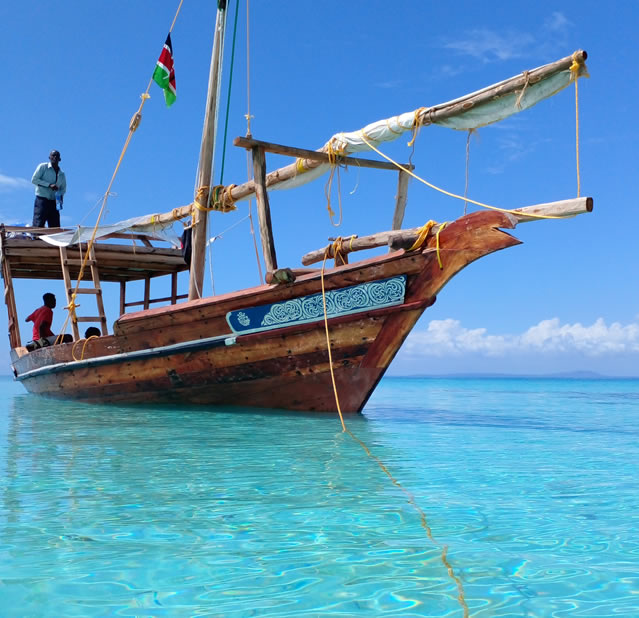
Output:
x=564 y=375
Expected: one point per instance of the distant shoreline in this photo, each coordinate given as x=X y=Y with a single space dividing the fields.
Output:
x=569 y=375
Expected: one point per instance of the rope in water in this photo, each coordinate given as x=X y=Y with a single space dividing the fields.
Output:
x=410 y=498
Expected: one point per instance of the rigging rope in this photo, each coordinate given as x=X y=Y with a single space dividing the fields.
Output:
x=228 y=94
x=470 y=132
x=410 y=498
x=459 y=197
x=133 y=125
x=248 y=134
x=574 y=71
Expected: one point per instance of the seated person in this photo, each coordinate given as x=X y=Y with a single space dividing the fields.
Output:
x=42 y=319
x=92 y=331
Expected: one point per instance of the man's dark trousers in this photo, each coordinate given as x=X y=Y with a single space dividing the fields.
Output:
x=45 y=212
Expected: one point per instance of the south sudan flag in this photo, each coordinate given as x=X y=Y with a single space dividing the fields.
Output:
x=164 y=75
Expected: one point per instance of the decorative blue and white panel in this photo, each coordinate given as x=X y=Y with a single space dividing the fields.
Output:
x=345 y=301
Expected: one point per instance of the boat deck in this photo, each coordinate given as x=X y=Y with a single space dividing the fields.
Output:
x=29 y=257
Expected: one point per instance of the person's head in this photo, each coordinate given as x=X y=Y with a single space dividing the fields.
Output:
x=92 y=331
x=49 y=300
x=55 y=158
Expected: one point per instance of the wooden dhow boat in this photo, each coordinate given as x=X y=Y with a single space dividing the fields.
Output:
x=307 y=334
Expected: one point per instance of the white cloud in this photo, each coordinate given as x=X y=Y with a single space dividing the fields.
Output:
x=391 y=84
x=594 y=340
x=557 y=22
x=491 y=46
x=488 y=46
x=7 y=183
x=449 y=337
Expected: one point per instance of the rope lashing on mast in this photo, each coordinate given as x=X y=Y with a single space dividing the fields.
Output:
x=221 y=200
x=219 y=197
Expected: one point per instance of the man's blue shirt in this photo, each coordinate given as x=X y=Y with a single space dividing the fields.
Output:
x=44 y=176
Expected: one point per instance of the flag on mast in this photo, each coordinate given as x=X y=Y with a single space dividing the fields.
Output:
x=164 y=74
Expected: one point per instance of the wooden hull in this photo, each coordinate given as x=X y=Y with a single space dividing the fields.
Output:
x=194 y=353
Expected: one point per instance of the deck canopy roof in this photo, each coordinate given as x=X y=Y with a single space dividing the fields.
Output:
x=119 y=257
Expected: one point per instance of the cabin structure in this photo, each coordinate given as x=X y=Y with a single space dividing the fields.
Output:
x=24 y=255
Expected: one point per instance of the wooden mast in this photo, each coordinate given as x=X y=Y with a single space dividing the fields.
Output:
x=198 y=255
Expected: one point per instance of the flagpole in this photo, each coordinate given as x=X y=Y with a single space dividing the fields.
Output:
x=205 y=165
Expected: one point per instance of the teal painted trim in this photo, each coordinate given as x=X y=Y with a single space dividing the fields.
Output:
x=306 y=309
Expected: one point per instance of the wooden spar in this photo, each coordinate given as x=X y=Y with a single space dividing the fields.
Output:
x=461 y=105
x=400 y=201
x=563 y=209
x=313 y=159
x=198 y=255
x=314 y=155
x=263 y=209
x=396 y=239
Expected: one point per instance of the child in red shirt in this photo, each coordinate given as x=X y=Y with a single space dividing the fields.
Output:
x=42 y=319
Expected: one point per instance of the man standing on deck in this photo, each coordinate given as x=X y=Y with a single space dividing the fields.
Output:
x=49 y=181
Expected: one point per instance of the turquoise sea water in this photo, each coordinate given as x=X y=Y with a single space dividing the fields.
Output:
x=531 y=485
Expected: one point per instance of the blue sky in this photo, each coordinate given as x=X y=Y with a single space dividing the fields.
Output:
x=566 y=299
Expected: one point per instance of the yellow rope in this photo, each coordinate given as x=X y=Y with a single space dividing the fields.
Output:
x=422 y=234
x=83 y=347
x=459 y=197
x=225 y=203
x=391 y=128
x=219 y=198
x=328 y=187
x=574 y=70
x=410 y=498
x=416 y=125
x=328 y=342
x=300 y=168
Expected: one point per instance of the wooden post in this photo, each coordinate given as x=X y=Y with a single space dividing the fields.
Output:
x=147 y=292
x=400 y=202
x=205 y=172
x=68 y=289
x=122 y=297
x=263 y=209
x=10 y=300
x=174 y=286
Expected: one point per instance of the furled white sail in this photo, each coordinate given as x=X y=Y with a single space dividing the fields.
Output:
x=472 y=111
x=137 y=225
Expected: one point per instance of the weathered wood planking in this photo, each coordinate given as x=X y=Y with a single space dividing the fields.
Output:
x=335 y=278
